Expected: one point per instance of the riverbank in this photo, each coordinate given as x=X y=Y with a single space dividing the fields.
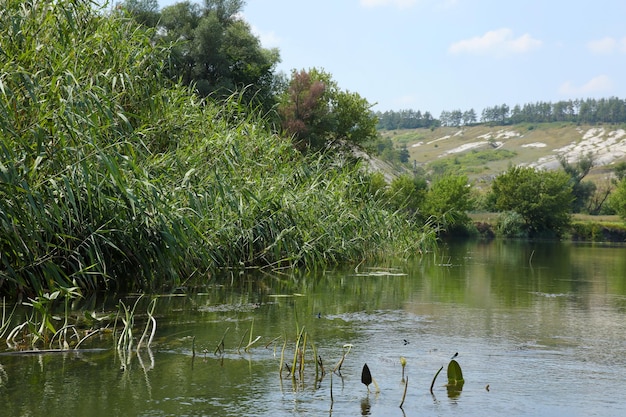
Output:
x=584 y=227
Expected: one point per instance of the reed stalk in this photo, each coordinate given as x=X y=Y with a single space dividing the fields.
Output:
x=113 y=178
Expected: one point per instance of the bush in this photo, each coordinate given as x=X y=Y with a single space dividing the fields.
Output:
x=542 y=198
x=512 y=225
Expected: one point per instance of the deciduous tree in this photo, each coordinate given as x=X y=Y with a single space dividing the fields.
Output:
x=542 y=198
x=448 y=200
x=215 y=50
x=617 y=201
x=316 y=112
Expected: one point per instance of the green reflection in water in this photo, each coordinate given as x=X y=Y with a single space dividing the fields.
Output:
x=542 y=312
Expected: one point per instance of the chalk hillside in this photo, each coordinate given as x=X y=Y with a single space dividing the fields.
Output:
x=483 y=151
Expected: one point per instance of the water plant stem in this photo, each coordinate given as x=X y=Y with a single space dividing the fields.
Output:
x=434 y=379
x=406 y=385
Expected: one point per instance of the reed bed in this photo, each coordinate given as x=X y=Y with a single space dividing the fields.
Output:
x=112 y=177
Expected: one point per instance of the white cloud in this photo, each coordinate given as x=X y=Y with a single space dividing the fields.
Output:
x=599 y=84
x=607 y=45
x=495 y=42
x=401 y=4
x=602 y=46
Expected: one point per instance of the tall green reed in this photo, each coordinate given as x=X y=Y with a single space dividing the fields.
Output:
x=113 y=178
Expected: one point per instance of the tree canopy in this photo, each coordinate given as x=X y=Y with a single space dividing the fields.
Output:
x=542 y=198
x=213 y=50
x=316 y=112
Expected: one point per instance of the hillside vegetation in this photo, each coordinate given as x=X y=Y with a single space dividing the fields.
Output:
x=484 y=151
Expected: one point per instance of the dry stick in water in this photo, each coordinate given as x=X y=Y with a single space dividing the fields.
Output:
x=332 y=400
x=241 y=341
x=220 y=346
x=282 y=358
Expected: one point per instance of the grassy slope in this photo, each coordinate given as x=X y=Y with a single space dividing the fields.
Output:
x=434 y=145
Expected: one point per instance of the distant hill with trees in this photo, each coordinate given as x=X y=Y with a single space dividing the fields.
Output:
x=586 y=111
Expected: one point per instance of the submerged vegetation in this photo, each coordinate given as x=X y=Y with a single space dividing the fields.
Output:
x=111 y=177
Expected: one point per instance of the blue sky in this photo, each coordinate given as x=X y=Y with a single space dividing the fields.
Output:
x=434 y=55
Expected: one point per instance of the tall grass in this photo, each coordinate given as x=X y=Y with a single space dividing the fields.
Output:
x=111 y=178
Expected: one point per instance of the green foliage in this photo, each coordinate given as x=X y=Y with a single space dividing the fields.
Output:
x=598 y=232
x=216 y=52
x=468 y=162
x=407 y=192
x=405 y=119
x=377 y=185
x=542 y=198
x=620 y=170
x=111 y=178
x=581 y=190
x=146 y=12
x=317 y=113
x=448 y=200
x=511 y=224
x=617 y=200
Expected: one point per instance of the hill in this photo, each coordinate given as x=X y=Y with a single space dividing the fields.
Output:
x=483 y=151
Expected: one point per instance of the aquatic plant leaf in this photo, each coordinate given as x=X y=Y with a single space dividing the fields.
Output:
x=455 y=376
x=366 y=375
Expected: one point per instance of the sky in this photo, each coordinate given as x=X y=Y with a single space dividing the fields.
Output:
x=444 y=55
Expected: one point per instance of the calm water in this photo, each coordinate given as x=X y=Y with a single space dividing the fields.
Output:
x=542 y=325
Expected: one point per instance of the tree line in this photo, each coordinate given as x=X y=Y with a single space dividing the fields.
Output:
x=589 y=111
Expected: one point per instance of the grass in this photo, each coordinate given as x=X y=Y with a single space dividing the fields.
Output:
x=437 y=142
x=112 y=178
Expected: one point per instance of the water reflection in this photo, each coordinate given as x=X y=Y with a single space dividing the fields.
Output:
x=366 y=408
x=526 y=319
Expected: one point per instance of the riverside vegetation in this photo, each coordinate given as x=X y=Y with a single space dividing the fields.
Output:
x=114 y=178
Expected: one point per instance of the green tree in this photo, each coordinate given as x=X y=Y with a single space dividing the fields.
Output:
x=582 y=190
x=448 y=200
x=216 y=51
x=617 y=200
x=542 y=198
x=317 y=113
x=620 y=170
x=145 y=12
x=407 y=192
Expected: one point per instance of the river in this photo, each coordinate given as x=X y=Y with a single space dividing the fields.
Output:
x=539 y=328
